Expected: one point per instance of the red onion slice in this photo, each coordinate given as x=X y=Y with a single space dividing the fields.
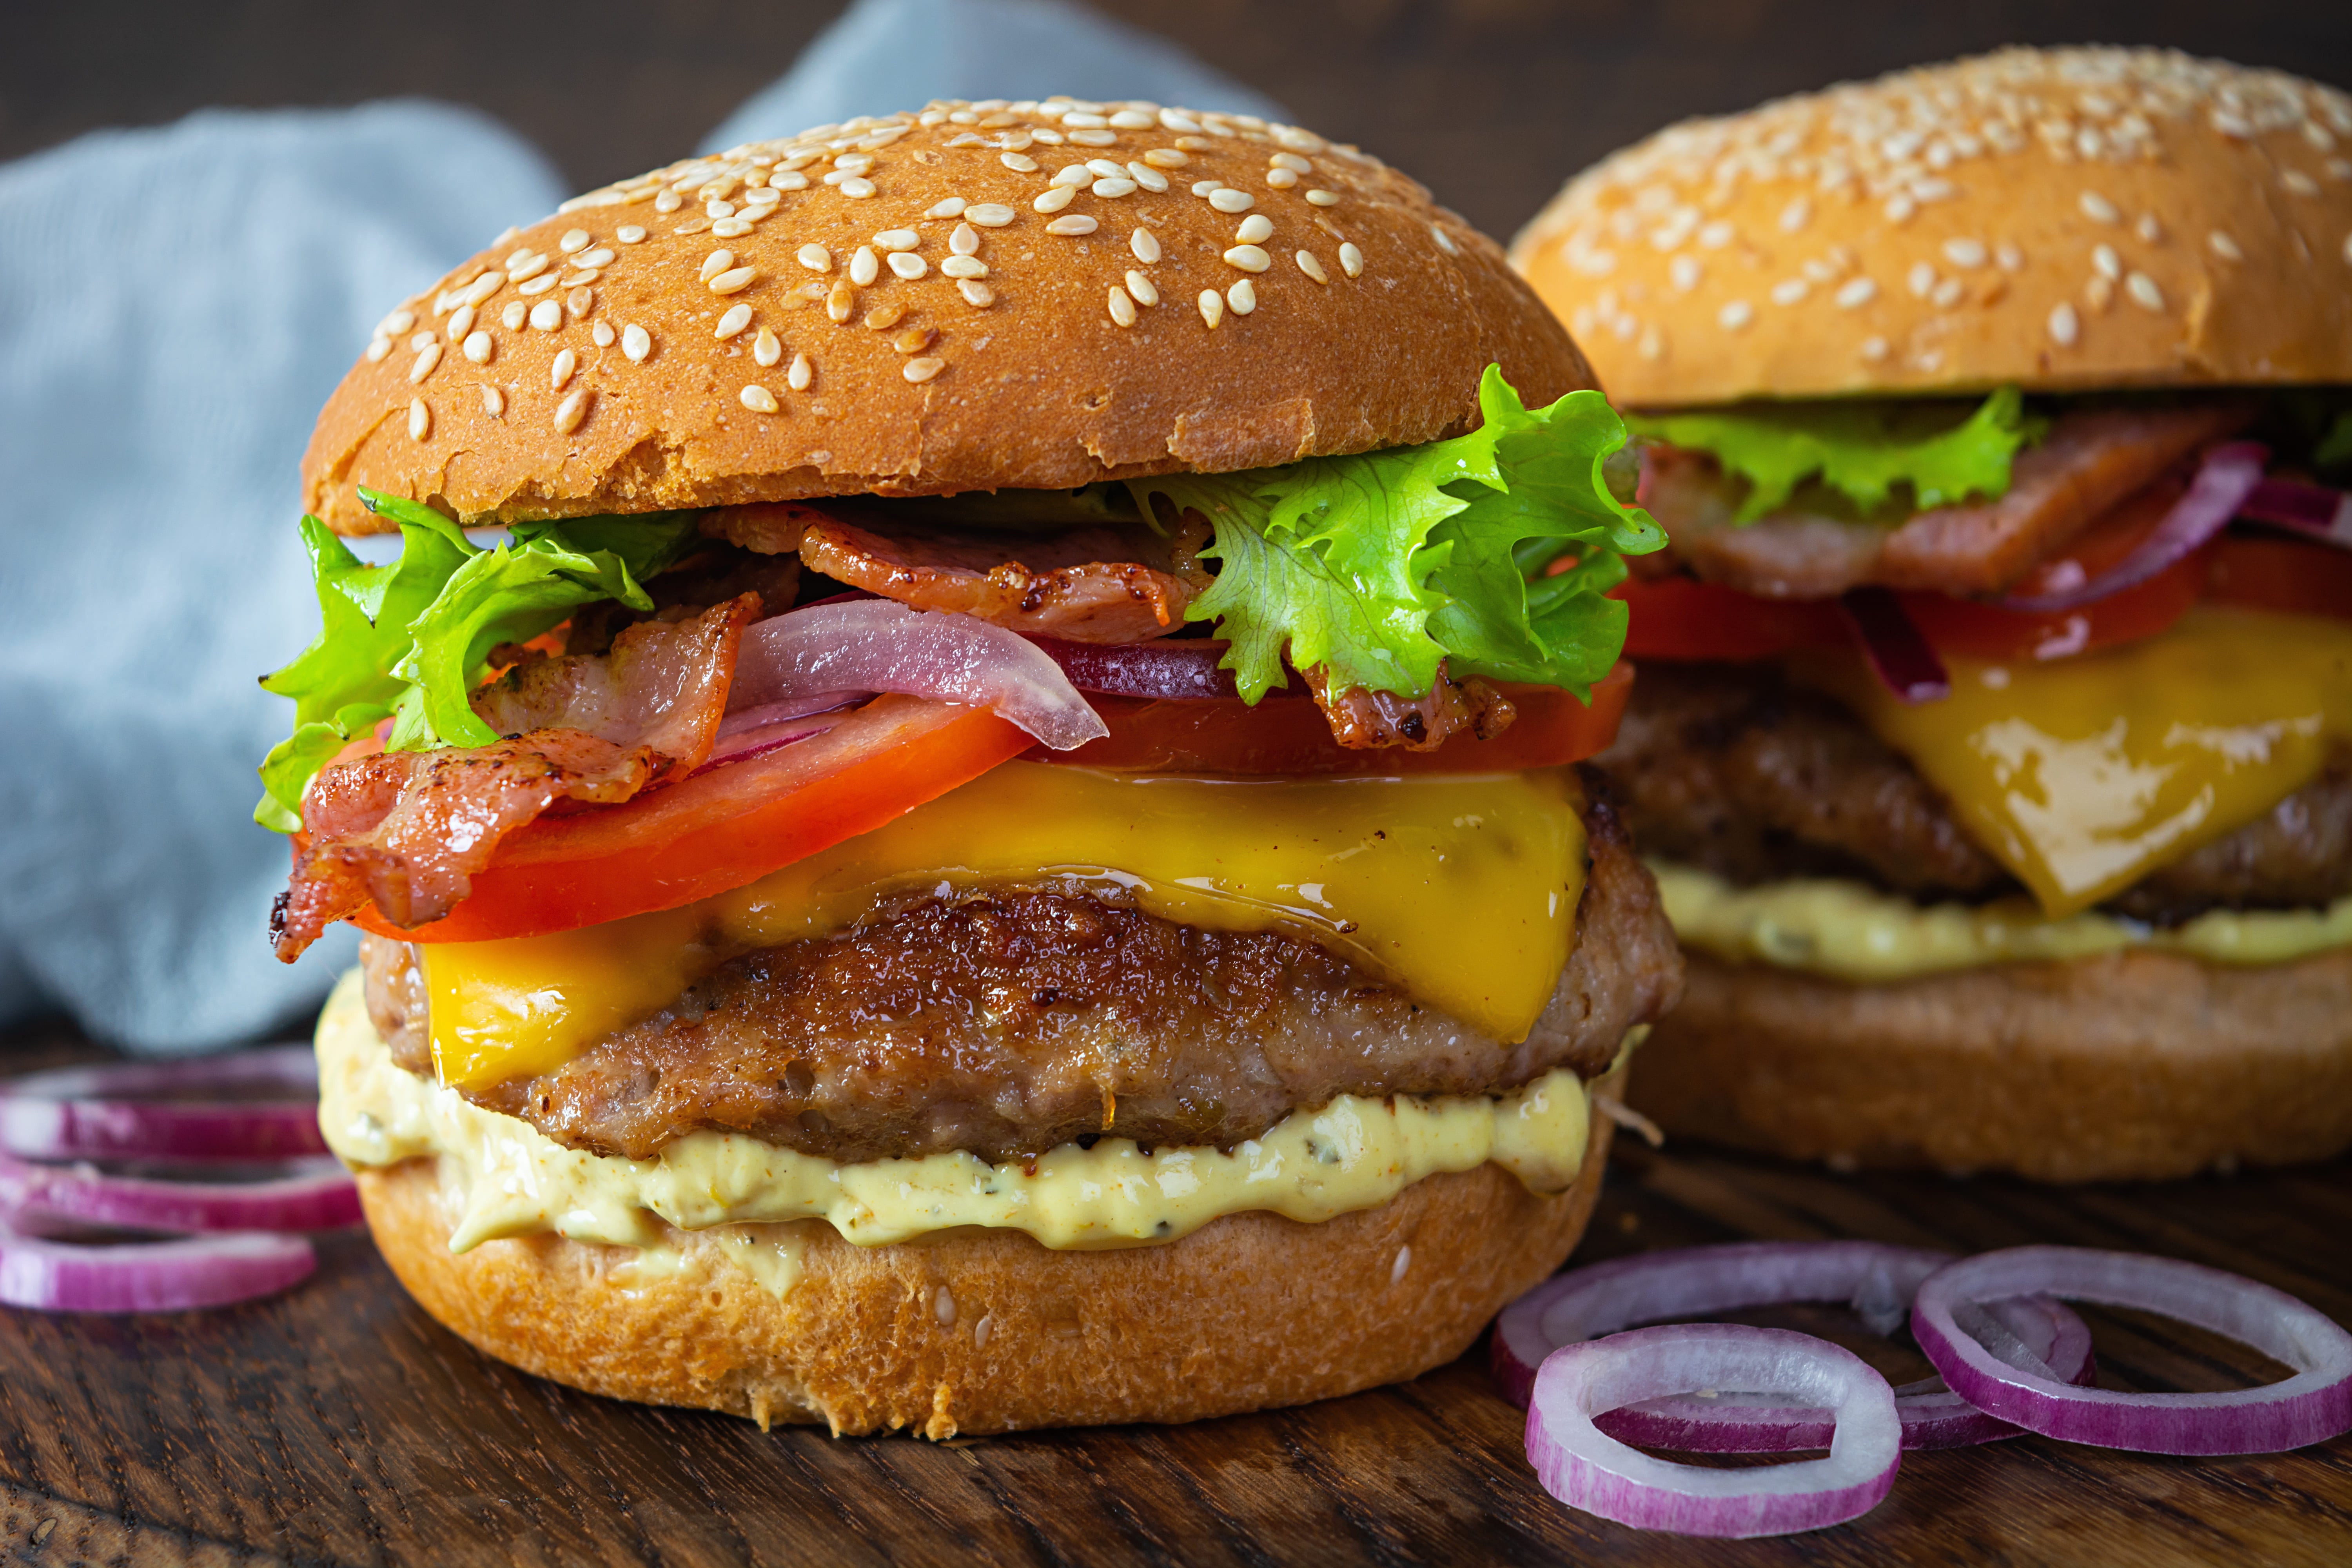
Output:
x=877 y=645
x=109 y=1111
x=2311 y=1406
x=2226 y=476
x=1177 y=669
x=1902 y=659
x=2309 y=508
x=148 y=1276
x=320 y=1199
x=1585 y=1469
x=1876 y=1280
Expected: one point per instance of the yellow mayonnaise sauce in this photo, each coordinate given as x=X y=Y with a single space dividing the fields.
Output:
x=1849 y=930
x=1461 y=891
x=502 y=1177
x=2083 y=775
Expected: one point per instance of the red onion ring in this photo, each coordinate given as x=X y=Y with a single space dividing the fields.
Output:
x=106 y=1111
x=320 y=1199
x=2314 y=510
x=1178 y=668
x=2226 y=476
x=1585 y=1469
x=879 y=645
x=149 y=1276
x=2311 y=1406
x=1902 y=659
x=1877 y=1280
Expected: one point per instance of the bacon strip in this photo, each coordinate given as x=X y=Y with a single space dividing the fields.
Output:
x=2092 y=459
x=1365 y=721
x=1087 y=584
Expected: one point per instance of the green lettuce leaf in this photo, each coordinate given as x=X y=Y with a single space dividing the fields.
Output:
x=410 y=639
x=2335 y=448
x=1862 y=450
x=1378 y=566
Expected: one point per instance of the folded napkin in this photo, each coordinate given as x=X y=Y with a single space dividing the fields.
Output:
x=178 y=303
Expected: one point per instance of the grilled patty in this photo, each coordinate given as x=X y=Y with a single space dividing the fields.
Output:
x=1012 y=1020
x=1733 y=769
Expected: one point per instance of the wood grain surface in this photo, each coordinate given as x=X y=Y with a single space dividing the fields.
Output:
x=339 y=1423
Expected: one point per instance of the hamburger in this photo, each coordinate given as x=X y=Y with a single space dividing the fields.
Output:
x=1994 y=740
x=1000 y=842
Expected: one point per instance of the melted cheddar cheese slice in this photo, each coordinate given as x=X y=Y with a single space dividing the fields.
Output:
x=2083 y=775
x=1461 y=891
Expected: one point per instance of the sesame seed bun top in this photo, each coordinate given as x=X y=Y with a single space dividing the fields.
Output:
x=973 y=297
x=2061 y=219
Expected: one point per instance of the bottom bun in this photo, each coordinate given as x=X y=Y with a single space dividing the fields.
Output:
x=987 y=1331
x=2124 y=1066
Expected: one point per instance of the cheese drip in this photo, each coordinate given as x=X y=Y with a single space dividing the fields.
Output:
x=502 y=1177
x=2083 y=775
x=1461 y=891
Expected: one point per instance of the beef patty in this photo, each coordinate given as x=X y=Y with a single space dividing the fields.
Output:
x=1733 y=769
x=1008 y=1021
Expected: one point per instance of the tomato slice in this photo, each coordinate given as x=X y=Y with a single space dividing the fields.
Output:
x=2283 y=575
x=724 y=827
x=1291 y=736
x=1682 y=618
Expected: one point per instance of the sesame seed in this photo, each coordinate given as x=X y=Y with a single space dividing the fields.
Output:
x=1196 y=145
x=699 y=225
x=1921 y=280
x=2110 y=265
x=2149 y=230
x=1855 y=293
x=2097 y=209
x=856 y=189
x=1149 y=178
x=2008 y=256
x=788 y=181
x=737 y=318
x=1292 y=161
x=1019 y=162
x=1212 y=306
x=762 y=198
x=1791 y=291
x=1281 y=179
x=716 y=210
x=2296 y=182
x=1141 y=290
x=2348 y=247
x=523 y=265
x=1255 y=228
x=1166 y=158
x=1083 y=121
x=1715 y=236
x=561 y=371
x=1114 y=189
x=637 y=343
x=539 y=285
x=864 y=266
x=2064 y=327
x=1049 y=137
x=915 y=339
x=478 y=347
x=1145 y=245
x=731 y=227
x=420 y=419
x=816 y=257
x=907 y=264
x=1948 y=294
x=378 y=347
x=427 y=358
x=2099 y=293
x=1965 y=252
x=630 y=234
x=1351 y=261
x=1242 y=298
x=668 y=202
x=842 y=301
x=952 y=207
x=1177 y=120
x=1682 y=272
x=1652 y=345
x=1071 y=224
x=1204 y=188
x=1104 y=168
x=399 y=321
x=601 y=333
x=1735 y=315
x=990 y=214
x=1227 y=199
x=801 y=374
x=1132 y=120
x=1073 y=176
x=1796 y=214
x=1874 y=349
x=1248 y=258
x=884 y=317
x=758 y=399
x=717 y=262
x=1095 y=138
x=1054 y=199
x=734 y=281
x=1323 y=198
x=2143 y=292
x=494 y=401
x=1899 y=209
x=963 y=267
x=515 y=315
x=461 y=322
x=579 y=302
x=919 y=371
x=603 y=255
x=570 y=412
x=1312 y=268
x=767 y=347
x=976 y=294
x=1122 y=307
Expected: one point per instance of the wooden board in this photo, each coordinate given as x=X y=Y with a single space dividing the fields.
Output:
x=340 y=1423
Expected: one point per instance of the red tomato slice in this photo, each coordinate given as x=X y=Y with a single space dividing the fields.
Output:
x=1225 y=736
x=2283 y=575
x=722 y=828
x=1680 y=617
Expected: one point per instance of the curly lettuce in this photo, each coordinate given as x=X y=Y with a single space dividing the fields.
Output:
x=1380 y=565
x=408 y=641
x=1861 y=450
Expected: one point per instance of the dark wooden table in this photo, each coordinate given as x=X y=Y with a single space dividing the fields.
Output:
x=340 y=1423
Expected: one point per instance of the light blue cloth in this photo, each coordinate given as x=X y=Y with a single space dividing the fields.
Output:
x=176 y=305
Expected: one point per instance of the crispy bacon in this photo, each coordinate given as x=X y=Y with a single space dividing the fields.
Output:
x=1098 y=585
x=2092 y=459
x=409 y=830
x=1365 y=721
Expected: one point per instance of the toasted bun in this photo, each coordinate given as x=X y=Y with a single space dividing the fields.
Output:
x=1368 y=324
x=984 y=1330
x=2060 y=218
x=2122 y=1067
